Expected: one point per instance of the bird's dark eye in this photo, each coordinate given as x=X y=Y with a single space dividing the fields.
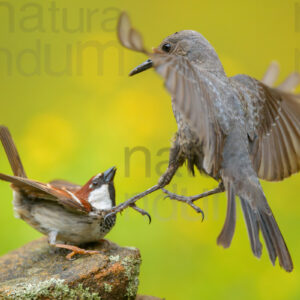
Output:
x=166 y=47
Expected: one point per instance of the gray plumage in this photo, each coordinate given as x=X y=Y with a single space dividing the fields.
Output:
x=234 y=129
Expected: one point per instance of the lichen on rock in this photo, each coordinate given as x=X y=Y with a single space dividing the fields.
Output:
x=36 y=272
x=53 y=289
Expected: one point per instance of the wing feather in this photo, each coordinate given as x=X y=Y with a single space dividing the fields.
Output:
x=38 y=190
x=271 y=74
x=276 y=149
x=194 y=99
x=128 y=36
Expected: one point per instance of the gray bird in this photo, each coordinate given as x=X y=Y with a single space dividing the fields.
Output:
x=67 y=213
x=234 y=129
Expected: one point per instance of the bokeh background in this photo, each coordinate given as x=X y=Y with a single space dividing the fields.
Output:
x=73 y=111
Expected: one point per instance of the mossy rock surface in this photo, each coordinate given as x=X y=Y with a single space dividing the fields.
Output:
x=35 y=271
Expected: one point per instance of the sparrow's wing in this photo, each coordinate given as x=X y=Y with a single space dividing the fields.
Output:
x=58 y=192
x=37 y=190
x=63 y=184
x=11 y=152
x=275 y=148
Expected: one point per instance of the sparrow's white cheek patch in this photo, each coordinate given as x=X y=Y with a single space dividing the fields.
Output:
x=100 y=198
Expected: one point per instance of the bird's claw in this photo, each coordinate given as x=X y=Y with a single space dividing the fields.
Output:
x=197 y=209
x=187 y=200
x=141 y=211
x=114 y=211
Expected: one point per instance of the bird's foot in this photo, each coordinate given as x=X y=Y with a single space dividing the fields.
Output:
x=104 y=242
x=75 y=250
x=141 y=211
x=131 y=203
x=174 y=196
x=187 y=200
x=122 y=206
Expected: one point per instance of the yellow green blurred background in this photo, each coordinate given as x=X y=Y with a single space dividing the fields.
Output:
x=73 y=111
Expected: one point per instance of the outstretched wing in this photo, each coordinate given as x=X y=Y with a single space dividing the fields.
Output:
x=191 y=92
x=271 y=75
x=275 y=147
x=128 y=36
x=58 y=192
x=37 y=190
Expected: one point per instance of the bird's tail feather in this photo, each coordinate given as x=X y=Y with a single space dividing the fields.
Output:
x=274 y=240
x=257 y=219
x=226 y=235
x=252 y=227
x=11 y=152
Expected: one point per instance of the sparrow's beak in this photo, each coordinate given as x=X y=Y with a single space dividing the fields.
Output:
x=142 y=67
x=109 y=174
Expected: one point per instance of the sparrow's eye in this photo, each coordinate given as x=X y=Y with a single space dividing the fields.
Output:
x=166 y=47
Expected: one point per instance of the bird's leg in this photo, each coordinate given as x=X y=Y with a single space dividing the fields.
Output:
x=163 y=181
x=75 y=250
x=191 y=199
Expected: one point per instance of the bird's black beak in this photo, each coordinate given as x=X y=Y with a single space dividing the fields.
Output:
x=142 y=67
x=109 y=174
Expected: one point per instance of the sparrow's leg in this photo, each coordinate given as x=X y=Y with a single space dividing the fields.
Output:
x=175 y=161
x=75 y=250
x=189 y=199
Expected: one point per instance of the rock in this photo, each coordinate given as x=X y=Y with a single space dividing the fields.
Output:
x=36 y=271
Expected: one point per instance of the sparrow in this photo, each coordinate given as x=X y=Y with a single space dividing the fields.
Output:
x=233 y=129
x=69 y=214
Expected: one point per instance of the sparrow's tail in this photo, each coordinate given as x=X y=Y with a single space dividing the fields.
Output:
x=11 y=152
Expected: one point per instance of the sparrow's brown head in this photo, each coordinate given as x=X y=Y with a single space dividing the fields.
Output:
x=99 y=191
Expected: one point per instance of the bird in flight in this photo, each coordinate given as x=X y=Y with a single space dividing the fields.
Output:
x=234 y=129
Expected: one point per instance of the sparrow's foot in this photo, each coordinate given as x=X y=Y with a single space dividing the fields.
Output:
x=75 y=250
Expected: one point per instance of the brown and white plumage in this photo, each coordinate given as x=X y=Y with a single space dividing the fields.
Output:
x=61 y=210
x=239 y=128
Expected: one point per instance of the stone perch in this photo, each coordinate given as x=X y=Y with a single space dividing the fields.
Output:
x=36 y=271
